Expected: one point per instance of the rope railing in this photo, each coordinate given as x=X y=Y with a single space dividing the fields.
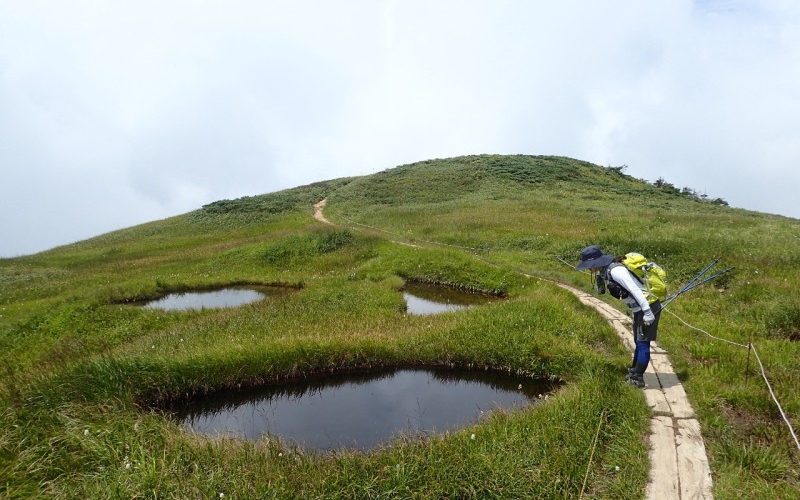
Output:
x=570 y=265
x=533 y=275
x=752 y=346
x=772 y=393
x=703 y=331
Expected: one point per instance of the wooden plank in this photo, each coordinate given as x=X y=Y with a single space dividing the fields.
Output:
x=673 y=390
x=624 y=334
x=571 y=289
x=660 y=362
x=620 y=327
x=655 y=397
x=610 y=316
x=615 y=314
x=676 y=397
x=695 y=474
x=656 y=349
x=663 y=481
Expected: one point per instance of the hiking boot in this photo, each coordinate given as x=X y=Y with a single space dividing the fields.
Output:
x=636 y=380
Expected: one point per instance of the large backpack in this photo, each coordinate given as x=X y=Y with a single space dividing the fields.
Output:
x=650 y=274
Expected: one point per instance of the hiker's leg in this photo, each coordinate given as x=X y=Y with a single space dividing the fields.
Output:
x=641 y=352
x=635 y=354
x=642 y=356
x=643 y=335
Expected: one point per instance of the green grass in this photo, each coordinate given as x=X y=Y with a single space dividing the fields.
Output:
x=84 y=374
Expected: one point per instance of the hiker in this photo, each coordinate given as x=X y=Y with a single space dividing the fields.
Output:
x=623 y=284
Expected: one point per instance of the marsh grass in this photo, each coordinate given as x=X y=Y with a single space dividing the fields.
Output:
x=84 y=377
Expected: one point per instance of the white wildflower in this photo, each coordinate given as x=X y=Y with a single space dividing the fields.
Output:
x=472 y=436
x=616 y=468
x=86 y=432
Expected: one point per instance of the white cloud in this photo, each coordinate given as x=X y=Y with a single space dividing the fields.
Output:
x=113 y=114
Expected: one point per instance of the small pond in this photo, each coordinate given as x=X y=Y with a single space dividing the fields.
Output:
x=211 y=299
x=422 y=299
x=348 y=411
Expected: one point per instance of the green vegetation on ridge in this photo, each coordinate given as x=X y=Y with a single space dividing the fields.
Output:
x=82 y=372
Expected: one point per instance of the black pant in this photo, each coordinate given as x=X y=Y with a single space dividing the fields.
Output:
x=642 y=336
x=646 y=332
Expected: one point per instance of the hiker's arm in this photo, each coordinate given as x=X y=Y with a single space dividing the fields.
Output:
x=624 y=278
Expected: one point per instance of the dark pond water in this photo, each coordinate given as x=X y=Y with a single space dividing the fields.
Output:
x=423 y=299
x=213 y=299
x=361 y=411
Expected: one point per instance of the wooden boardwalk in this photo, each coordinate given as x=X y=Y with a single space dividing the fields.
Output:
x=678 y=462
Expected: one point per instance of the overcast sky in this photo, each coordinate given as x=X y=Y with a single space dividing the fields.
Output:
x=117 y=113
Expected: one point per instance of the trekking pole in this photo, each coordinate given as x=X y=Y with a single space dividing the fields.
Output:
x=708 y=279
x=698 y=276
x=694 y=283
x=689 y=283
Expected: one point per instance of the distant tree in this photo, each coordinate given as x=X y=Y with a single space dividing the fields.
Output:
x=663 y=185
x=620 y=169
x=668 y=187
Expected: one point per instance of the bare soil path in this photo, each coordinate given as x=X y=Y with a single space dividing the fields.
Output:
x=678 y=463
x=318 y=207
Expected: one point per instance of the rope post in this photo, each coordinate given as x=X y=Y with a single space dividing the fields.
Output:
x=747 y=366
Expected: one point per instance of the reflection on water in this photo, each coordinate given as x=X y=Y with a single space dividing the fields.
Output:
x=360 y=411
x=227 y=297
x=422 y=299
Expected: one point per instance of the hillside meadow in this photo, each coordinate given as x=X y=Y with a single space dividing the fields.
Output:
x=87 y=373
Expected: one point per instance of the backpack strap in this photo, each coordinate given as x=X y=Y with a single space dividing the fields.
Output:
x=615 y=289
x=618 y=264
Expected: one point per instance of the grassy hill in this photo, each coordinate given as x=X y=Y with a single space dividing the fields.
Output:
x=84 y=372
